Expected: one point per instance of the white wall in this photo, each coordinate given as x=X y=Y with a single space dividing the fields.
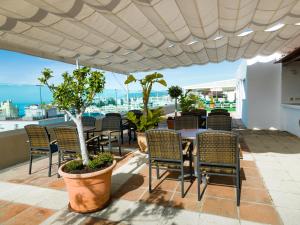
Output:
x=290 y=119
x=263 y=96
x=291 y=83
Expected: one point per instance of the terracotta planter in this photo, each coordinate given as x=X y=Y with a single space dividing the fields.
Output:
x=88 y=192
x=142 y=142
x=170 y=123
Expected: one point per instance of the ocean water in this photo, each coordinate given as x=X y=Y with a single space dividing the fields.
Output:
x=25 y=95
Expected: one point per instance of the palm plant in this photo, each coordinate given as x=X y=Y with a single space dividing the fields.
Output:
x=147 y=84
x=175 y=92
x=76 y=92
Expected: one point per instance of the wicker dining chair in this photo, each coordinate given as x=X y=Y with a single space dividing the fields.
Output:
x=68 y=142
x=110 y=132
x=219 y=122
x=132 y=126
x=88 y=121
x=218 y=154
x=40 y=144
x=219 y=112
x=186 y=122
x=124 y=126
x=165 y=150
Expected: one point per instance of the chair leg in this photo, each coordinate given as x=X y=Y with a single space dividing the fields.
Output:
x=191 y=167
x=238 y=188
x=102 y=148
x=120 y=152
x=30 y=162
x=129 y=136
x=157 y=172
x=50 y=164
x=199 y=178
x=150 y=177
x=122 y=141
x=182 y=181
x=59 y=162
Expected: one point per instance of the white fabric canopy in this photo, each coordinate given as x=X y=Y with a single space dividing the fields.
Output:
x=137 y=35
x=221 y=84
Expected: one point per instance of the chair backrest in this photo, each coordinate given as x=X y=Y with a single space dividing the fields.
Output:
x=88 y=121
x=67 y=138
x=219 y=122
x=164 y=144
x=217 y=147
x=186 y=122
x=196 y=112
x=38 y=136
x=111 y=123
x=113 y=114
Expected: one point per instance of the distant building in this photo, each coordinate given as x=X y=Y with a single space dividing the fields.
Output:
x=8 y=110
x=34 y=112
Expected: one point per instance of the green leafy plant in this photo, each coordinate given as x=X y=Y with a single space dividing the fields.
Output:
x=147 y=84
x=175 y=92
x=76 y=92
x=187 y=101
x=201 y=104
x=146 y=121
x=99 y=161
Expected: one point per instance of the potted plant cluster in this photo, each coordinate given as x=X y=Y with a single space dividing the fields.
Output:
x=187 y=101
x=150 y=118
x=87 y=179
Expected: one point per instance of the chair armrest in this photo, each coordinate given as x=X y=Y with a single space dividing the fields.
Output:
x=91 y=139
x=53 y=142
x=186 y=147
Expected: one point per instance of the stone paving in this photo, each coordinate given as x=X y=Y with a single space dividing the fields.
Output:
x=270 y=191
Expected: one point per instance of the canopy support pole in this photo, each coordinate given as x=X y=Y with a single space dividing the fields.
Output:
x=77 y=63
x=127 y=95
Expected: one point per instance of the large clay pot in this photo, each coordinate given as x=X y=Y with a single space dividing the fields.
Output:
x=142 y=142
x=88 y=192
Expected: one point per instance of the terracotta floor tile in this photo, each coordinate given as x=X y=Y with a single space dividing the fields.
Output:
x=129 y=192
x=98 y=221
x=10 y=210
x=138 y=181
x=157 y=197
x=189 y=202
x=32 y=216
x=249 y=172
x=220 y=207
x=254 y=182
x=222 y=180
x=57 y=184
x=3 y=203
x=190 y=188
x=165 y=184
x=220 y=191
x=255 y=195
x=259 y=213
x=247 y=163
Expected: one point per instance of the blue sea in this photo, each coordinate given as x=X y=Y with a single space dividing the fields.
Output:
x=25 y=95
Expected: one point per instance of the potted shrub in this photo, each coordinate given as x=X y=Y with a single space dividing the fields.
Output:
x=174 y=92
x=187 y=101
x=149 y=117
x=144 y=123
x=88 y=179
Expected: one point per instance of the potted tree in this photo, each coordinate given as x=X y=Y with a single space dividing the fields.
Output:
x=174 y=92
x=149 y=117
x=87 y=179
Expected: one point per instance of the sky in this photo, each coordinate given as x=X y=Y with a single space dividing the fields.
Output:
x=18 y=68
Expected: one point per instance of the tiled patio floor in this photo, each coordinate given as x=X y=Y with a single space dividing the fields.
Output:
x=269 y=195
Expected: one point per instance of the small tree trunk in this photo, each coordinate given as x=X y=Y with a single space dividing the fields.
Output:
x=175 y=107
x=83 y=149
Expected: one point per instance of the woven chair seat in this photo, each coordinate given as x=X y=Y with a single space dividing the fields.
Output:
x=40 y=152
x=223 y=170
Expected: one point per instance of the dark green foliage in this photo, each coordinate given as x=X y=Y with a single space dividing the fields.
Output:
x=187 y=102
x=146 y=121
x=74 y=165
x=175 y=91
x=102 y=160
